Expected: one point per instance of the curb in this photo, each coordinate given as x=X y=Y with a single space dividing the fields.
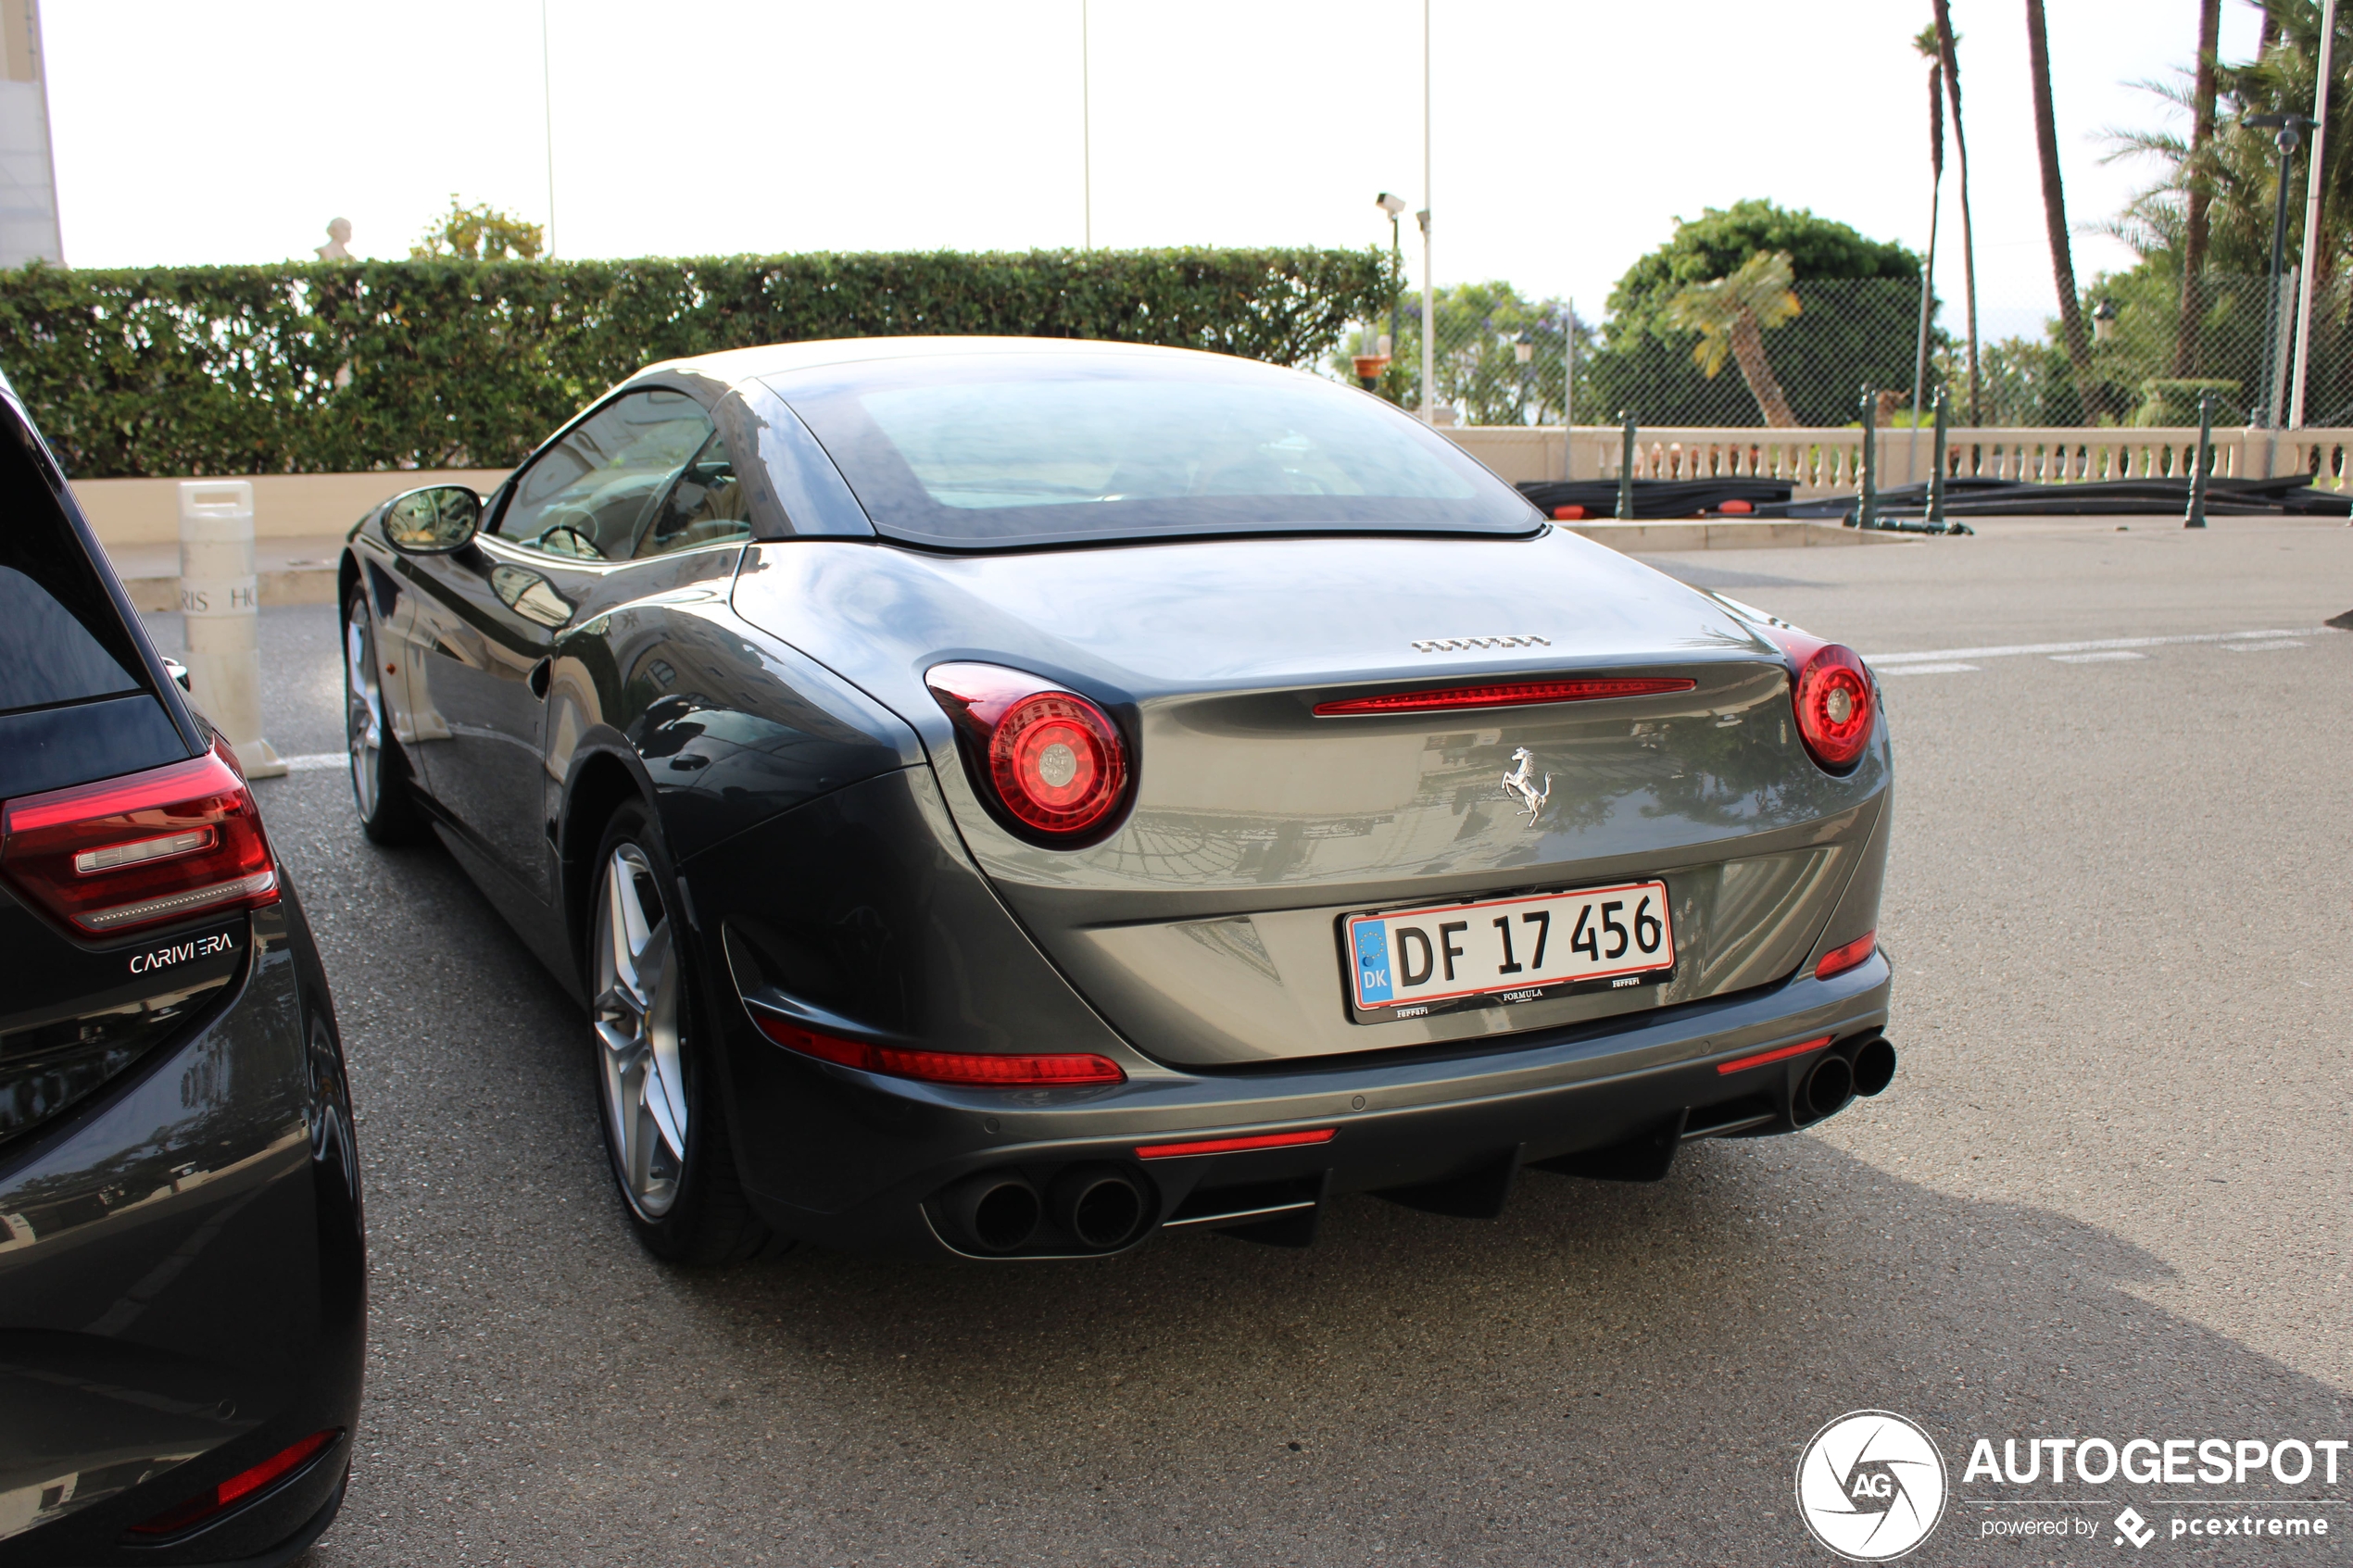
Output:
x=1767 y=533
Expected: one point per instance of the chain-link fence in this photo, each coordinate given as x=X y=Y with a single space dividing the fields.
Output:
x=1502 y=358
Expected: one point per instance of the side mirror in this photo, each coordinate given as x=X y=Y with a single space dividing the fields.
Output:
x=431 y=521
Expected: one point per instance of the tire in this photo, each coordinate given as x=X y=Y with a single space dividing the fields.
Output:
x=380 y=789
x=665 y=1129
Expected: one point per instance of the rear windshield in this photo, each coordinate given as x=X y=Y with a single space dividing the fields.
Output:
x=60 y=639
x=1017 y=450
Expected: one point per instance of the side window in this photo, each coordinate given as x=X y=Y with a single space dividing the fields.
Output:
x=590 y=494
x=706 y=506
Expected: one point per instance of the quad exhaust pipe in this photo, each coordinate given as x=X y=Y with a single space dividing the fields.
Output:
x=1874 y=1066
x=1826 y=1089
x=995 y=1211
x=1835 y=1081
x=1096 y=1208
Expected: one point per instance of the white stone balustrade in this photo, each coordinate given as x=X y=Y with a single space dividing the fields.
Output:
x=1828 y=461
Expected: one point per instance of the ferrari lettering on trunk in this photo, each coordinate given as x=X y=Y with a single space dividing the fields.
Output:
x=1513 y=949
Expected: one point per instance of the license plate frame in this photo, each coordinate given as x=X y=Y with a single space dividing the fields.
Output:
x=1375 y=993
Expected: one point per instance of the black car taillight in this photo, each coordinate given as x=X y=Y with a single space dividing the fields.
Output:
x=1047 y=759
x=145 y=849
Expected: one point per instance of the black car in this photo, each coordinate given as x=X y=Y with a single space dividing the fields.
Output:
x=1008 y=799
x=183 y=1295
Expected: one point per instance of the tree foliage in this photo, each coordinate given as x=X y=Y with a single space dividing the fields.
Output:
x=2240 y=168
x=479 y=233
x=307 y=368
x=1731 y=315
x=1480 y=373
x=2241 y=164
x=1859 y=299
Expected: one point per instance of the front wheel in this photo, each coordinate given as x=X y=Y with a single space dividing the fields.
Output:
x=388 y=813
x=665 y=1131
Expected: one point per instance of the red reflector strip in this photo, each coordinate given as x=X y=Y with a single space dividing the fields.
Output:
x=1230 y=1145
x=1518 y=693
x=1838 y=960
x=1779 y=1054
x=212 y=1500
x=986 y=1069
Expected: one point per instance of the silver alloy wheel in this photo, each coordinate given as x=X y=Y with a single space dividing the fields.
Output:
x=364 y=710
x=637 y=1016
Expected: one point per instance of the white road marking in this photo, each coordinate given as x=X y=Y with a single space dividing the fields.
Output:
x=2262 y=647
x=316 y=761
x=1945 y=655
x=2111 y=657
x=1947 y=669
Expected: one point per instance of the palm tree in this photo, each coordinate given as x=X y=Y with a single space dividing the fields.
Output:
x=2088 y=387
x=1945 y=39
x=1732 y=315
x=1926 y=44
x=2201 y=190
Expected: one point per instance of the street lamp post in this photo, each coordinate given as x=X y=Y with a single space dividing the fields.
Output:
x=2272 y=384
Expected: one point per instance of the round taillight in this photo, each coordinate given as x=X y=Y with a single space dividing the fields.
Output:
x=1049 y=764
x=1833 y=699
x=1057 y=762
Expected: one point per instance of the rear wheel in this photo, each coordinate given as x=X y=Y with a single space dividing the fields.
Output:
x=665 y=1129
x=388 y=812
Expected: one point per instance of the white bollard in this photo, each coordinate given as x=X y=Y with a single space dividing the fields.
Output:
x=219 y=595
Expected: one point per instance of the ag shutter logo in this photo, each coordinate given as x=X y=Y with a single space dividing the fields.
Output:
x=1870 y=1486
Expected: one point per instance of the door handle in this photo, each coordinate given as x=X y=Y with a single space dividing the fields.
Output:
x=540 y=677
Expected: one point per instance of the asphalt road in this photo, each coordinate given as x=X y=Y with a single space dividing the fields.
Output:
x=2106 y=1196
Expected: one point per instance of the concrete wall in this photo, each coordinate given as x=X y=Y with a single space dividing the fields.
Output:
x=285 y=506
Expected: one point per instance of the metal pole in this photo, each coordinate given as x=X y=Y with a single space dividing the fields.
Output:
x=1430 y=291
x=1920 y=379
x=2196 y=516
x=1568 y=396
x=548 y=111
x=2312 y=212
x=2264 y=414
x=1867 y=510
x=1626 y=467
x=2285 y=308
x=1085 y=134
x=1936 y=475
x=1396 y=262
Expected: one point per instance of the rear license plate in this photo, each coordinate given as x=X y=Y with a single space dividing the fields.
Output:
x=1405 y=963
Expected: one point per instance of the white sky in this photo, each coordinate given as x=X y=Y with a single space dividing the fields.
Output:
x=1567 y=135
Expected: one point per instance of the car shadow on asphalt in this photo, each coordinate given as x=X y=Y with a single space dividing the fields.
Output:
x=1604 y=1371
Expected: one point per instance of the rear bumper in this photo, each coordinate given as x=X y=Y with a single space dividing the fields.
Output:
x=1442 y=1129
x=182 y=1291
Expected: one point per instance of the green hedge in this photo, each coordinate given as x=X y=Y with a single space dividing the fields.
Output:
x=210 y=370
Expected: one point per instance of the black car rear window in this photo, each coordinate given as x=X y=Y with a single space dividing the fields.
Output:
x=1011 y=451
x=60 y=639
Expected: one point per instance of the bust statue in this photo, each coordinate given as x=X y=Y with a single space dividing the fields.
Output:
x=338 y=245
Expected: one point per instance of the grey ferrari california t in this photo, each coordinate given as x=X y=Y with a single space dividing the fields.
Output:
x=1005 y=799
